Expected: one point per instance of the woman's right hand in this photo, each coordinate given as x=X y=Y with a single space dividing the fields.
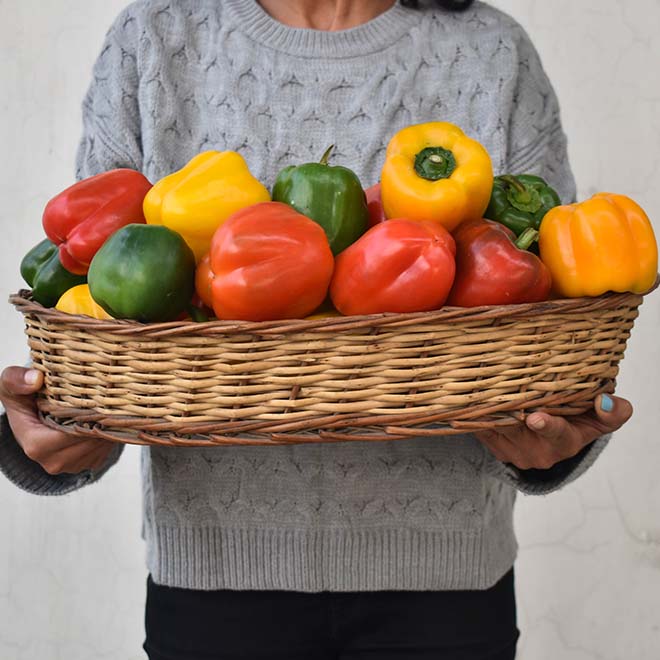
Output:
x=56 y=452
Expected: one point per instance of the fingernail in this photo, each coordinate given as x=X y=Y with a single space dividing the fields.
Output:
x=31 y=377
x=536 y=422
x=606 y=403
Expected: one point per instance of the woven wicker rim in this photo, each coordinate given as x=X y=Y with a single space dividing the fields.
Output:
x=23 y=302
x=396 y=425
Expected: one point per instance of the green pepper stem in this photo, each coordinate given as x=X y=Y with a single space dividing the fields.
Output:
x=525 y=240
x=326 y=156
x=513 y=182
x=435 y=163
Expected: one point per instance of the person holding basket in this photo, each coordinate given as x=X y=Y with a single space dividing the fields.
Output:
x=348 y=550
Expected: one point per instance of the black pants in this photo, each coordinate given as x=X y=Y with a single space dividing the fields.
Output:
x=281 y=625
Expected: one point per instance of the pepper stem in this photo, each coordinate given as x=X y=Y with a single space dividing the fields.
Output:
x=513 y=182
x=525 y=240
x=326 y=156
x=435 y=163
x=521 y=196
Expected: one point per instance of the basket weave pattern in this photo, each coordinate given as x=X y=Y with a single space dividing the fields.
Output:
x=383 y=377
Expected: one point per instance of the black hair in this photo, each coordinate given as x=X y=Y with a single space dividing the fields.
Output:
x=452 y=5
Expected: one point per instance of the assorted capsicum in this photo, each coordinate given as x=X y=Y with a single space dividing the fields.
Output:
x=81 y=218
x=266 y=262
x=521 y=201
x=435 y=172
x=604 y=244
x=144 y=249
x=197 y=199
x=78 y=300
x=495 y=268
x=145 y=273
x=397 y=266
x=375 y=205
x=331 y=196
x=42 y=269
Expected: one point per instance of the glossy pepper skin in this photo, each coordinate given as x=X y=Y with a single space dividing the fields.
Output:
x=519 y=202
x=197 y=199
x=331 y=196
x=145 y=273
x=604 y=244
x=375 y=205
x=42 y=270
x=492 y=270
x=78 y=300
x=81 y=218
x=435 y=172
x=397 y=266
x=266 y=262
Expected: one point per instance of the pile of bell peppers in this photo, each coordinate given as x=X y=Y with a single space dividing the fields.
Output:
x=437 y=229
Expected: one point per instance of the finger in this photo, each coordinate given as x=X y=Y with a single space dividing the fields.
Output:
x=25 y=424
x=527 y=449
x=515 y=434
x=76 y=458
x=19 y=382
x=557 y=431
x=38 y=441
x=46 y=447
x=613 y=411
x=485 y=436
x=503 y=448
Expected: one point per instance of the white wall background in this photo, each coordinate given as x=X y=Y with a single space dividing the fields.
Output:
x=71 y=569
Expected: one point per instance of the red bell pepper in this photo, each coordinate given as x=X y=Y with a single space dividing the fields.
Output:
x=397 y=266
x=83 y=216
x=375 y=206
x=493 y=268
x=267 y=262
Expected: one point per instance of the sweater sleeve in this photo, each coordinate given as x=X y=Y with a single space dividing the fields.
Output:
x=537 y=143
x=542 y=482
x=31 y=477
x=111 y=136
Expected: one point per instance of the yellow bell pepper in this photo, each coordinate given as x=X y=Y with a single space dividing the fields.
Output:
x=603 y=244
x=197 y=199
x=78 y=300
x=324 y=315
x=435 y=172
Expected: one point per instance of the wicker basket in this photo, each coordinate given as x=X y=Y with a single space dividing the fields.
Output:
x=382 y=377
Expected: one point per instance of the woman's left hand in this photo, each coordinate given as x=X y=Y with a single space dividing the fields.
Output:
x=547 y=440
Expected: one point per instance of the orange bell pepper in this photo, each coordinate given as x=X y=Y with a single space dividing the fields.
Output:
x=603 y=244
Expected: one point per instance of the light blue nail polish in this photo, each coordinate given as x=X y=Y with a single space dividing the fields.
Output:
x=606 y=403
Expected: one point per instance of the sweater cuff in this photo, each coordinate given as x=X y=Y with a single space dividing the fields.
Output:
x=32 y=478
x=542 y=482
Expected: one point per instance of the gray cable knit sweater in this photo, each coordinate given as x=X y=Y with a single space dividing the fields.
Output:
x=176 y=77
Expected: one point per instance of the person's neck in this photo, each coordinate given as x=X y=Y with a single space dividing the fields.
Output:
x=328 y=15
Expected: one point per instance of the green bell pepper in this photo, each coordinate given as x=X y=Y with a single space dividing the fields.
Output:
x=331 y=196
x=143 y=272
x=521 y=201
x=44 y=273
